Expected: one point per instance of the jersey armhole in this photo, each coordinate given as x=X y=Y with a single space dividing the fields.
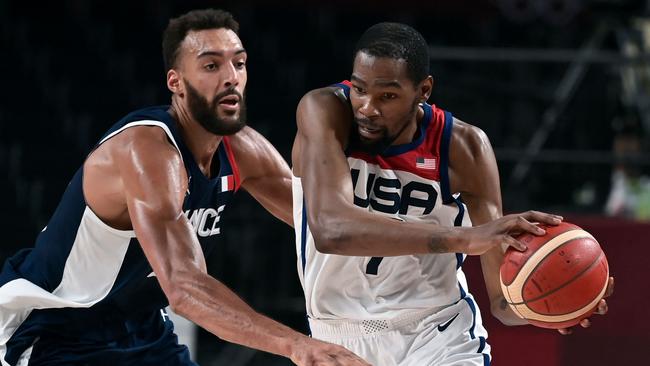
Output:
x=445 y=139
x=160 y=124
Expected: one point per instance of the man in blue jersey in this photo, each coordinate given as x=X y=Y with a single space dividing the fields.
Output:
x=129 y=235
x=378 y=178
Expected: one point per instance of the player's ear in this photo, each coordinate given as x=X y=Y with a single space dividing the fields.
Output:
x=174 y=82
x=426 y=87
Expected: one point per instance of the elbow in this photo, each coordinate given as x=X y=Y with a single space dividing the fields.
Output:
x=327 y=233
x=179 y=300
x=502 y=312
x=178 y=289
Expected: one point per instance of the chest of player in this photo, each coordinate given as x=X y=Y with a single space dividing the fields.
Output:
x=401 y=193
x=205 y=203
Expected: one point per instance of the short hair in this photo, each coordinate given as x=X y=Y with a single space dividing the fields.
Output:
x=194 y=20
x=397 y=41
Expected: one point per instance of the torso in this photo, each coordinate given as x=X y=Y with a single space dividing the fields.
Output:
x=407 y=182
x=93 y=269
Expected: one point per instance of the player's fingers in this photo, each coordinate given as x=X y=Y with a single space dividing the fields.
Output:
x=610 y=287
x=351 y=359
x=565 y=331
x=585 y=323
x=602 y=307
x=542 y=217
x=521 y=224
x=512 y=242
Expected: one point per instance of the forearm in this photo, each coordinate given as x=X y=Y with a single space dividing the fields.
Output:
x=210 y=304
x=365 y=234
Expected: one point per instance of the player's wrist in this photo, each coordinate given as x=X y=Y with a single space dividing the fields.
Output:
x=451 y=240
x=294 y=345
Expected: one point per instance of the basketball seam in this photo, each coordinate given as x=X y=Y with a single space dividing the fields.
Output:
x=520 y=278
x=564 y=284
x=532 y=315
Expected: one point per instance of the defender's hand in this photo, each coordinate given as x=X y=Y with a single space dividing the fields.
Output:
x=312 y=352
x=601 y=309
x=480 y=239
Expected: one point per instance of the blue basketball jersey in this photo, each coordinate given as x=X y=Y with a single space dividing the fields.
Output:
x=83 y=273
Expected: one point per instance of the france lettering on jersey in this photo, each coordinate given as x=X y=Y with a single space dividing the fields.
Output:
x=81 y=270
x=407 y=182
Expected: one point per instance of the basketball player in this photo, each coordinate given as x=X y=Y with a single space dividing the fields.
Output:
x=132 y=228
x=381 y=229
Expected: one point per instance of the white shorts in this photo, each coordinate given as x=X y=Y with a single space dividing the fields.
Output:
x=451 y=336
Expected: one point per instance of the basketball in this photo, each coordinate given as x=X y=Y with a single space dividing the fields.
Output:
x=558 y=280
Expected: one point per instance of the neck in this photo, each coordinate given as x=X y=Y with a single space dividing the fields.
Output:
x=201 y=143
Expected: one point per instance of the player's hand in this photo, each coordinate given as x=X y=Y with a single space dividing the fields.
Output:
x=601 y=309
x=312 y=352
x=479 y=239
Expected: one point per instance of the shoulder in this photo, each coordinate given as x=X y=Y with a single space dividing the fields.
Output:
x=324 y=113
x=468 y=142
x=328 y=101
x=247 y=140
x=254 y=154
x=142 y=142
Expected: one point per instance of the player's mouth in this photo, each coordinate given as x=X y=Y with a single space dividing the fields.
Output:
x=229 y=103
x=369 y=132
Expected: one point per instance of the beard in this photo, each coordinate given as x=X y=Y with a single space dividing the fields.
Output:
x=207 y=114
x=377 y=147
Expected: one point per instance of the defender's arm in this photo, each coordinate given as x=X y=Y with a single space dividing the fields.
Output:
x=155 y=185
x=264 y=173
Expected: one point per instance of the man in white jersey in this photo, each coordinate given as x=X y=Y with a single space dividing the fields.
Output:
x=381 y=230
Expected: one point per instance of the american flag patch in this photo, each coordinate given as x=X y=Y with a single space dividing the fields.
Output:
x=425 y=163
x=227 y=183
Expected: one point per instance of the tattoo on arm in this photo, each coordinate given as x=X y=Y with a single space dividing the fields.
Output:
x=439 y=243
x=503 y=305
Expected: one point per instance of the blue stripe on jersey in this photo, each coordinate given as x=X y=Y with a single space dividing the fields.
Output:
x=482 y=340
x=459 y=260
x=473 y=308
x=486 y=360
x=394 y=150
x=303 y=236
x=346 y=89
x=462 y=291
x=447 y=198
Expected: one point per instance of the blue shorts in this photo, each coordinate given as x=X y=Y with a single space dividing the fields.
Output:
x=143 y=340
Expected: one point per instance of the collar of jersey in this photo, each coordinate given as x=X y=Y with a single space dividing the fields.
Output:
x=401 y=149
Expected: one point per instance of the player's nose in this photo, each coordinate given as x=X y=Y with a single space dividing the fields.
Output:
x=369 y=110
x=230 y=75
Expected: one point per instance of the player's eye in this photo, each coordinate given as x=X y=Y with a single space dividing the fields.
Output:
x=389 y=96
x=359 y=90
x=211 y=66
x=240 y=64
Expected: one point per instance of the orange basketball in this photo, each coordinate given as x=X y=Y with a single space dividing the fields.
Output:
x=558 y=280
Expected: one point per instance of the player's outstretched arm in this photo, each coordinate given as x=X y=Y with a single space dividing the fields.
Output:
x=155 y=185
x=264 y=173
x=340 y=227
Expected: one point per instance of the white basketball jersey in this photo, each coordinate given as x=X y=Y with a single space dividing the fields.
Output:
x=409 y=183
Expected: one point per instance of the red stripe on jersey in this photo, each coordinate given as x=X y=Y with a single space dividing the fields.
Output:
x=233 y=164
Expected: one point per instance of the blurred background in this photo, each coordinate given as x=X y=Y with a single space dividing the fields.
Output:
x=561 y=87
